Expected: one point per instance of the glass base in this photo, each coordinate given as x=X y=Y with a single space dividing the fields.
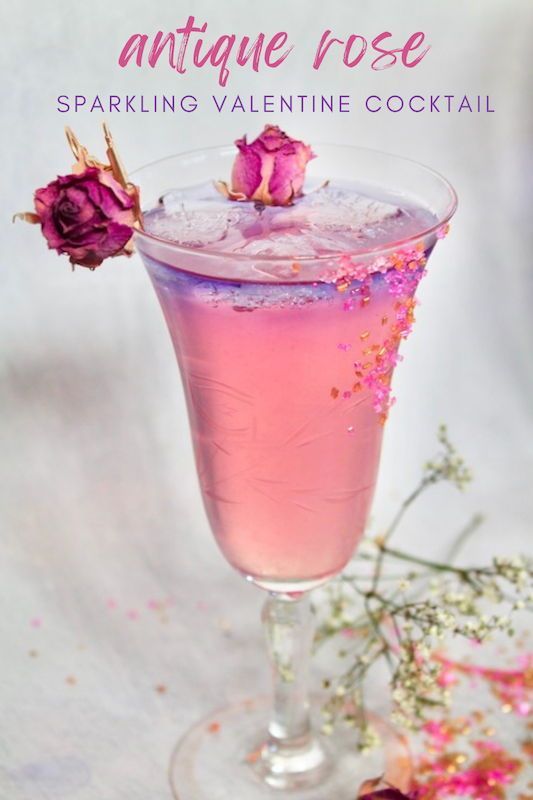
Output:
x=222 y=758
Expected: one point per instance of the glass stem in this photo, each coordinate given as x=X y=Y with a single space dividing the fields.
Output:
x=292 y=756
x=288 y=624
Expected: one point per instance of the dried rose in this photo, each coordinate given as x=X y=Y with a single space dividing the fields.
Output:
x=380 y=789
x=388 y=794
x=271 y=169
x=87 y=215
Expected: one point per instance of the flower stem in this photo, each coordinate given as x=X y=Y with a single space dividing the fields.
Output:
x=424 y=562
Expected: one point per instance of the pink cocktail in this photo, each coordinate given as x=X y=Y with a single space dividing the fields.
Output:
x=286 y=325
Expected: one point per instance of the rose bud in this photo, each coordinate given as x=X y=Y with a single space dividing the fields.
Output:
x=271 y=169
x=88 y=216
x=388 y=794
x=380 y=789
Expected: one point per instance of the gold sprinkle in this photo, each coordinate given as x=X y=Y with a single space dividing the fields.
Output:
x=460 y=758
x=384 y=320
x=224 y=625
x=214 y=727
x=364 y=335
x=296 y=267
x=334 y=392
x=367 y=365
x=161 y=688
x=71 y=680
x=33 y=653
x=507 y=708
x=341 y=287
x=254 y=756
x=357 y=387
x=489 y=731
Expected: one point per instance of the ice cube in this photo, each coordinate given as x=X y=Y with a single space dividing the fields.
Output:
x=334 y=209
x=290 y=244
x=192 y=229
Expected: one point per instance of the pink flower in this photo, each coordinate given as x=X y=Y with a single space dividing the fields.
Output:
x=379 y=789
x=388 y=794
x=271 y=169
x=88 y=216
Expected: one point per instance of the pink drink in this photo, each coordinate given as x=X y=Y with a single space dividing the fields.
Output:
x=286 y=367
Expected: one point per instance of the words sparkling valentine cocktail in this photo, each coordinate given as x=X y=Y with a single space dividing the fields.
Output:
x=286 y=323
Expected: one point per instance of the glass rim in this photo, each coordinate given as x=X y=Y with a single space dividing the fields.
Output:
x=441 y=221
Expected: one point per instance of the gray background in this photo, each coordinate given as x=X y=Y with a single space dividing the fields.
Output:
x=101 y=516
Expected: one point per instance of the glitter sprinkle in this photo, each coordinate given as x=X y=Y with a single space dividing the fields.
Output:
x=133 y=614
x=483 y=777
x=350 y=429
x=344 y=347
x=36 y=622
x=33 y=653
x=346 y=395
x=111 y=603
x=224 y=625
x=71 y=680
x=254 y=756
x=161 y=688
x=213 y=727
x=401 y=271
x=474 y=766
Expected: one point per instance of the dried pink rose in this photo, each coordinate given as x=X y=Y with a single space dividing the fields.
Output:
x=388 y=794
x=379 y=789
x=87 y=215
x=271 y=169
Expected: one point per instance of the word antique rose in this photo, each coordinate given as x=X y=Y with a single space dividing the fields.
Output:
x=87 y=215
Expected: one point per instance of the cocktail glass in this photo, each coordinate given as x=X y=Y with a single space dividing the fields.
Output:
x=286 y=364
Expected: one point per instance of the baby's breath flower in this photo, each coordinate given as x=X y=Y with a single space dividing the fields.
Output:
x=454 y=604
x=369 y=739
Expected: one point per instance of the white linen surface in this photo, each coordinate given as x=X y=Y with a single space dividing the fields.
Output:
x=101 y=515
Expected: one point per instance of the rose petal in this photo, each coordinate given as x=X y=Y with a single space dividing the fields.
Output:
x=271 y=169
x=246 y=173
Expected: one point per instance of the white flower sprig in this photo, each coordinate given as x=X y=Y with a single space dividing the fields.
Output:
x=404 y=621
